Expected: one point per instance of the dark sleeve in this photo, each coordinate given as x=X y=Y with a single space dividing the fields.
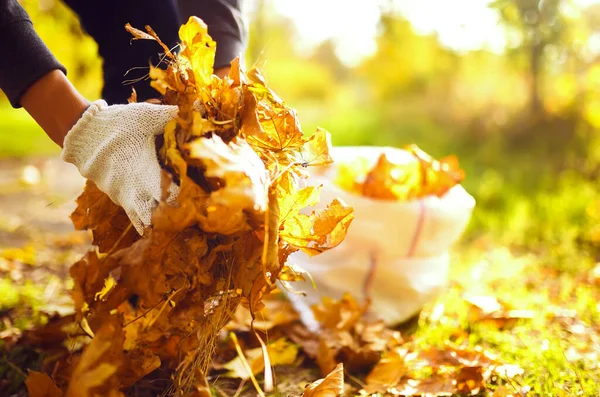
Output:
x=225 y=25
x=125 y=61
x=24 y=58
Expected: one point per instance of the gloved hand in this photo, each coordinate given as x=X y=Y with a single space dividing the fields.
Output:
x=114 y=146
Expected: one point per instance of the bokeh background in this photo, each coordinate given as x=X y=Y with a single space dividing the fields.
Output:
x=510 y=86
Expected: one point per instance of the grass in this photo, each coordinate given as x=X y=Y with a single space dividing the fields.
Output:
x=557 y=347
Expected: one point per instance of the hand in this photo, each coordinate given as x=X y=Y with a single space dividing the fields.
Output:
x=114 y=146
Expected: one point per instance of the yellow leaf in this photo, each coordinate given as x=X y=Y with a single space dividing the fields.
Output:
x=291 y=203
x=199 y=49
x=281 y=352
x=323 y=229
x=331 y=386
x=316 y=149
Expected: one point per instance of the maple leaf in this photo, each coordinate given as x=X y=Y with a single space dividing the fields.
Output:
x=96 y=370
x=346 y=337
x=41 y=385
x=316 y=149
x=323 y=229
x=199 y=49
x=108 y=222
x=330 y=386
x=388 y=371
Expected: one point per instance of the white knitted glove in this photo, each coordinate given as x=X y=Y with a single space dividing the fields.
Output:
x=114 y=147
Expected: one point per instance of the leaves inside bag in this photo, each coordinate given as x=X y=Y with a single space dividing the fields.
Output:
x=395 y=180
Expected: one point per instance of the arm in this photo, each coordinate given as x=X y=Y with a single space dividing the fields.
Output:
x=100 y=140
x=31 y=77
x=54 y=104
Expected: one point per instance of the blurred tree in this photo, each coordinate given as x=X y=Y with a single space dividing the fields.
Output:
x=325 y=55
x=539 y=23
x=290 y=72
x=256 y=40
x=405 y=62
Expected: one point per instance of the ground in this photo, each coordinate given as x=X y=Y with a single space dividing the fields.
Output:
x=516 y=304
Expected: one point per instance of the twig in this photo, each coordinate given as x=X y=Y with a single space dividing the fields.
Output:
x=142 y=315
x=240 y=388
x=240 y=353
x=19 y=370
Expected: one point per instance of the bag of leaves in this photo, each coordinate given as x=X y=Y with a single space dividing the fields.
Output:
x=409 y=210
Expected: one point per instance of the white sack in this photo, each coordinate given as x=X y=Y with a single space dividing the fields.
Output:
x=395 y=252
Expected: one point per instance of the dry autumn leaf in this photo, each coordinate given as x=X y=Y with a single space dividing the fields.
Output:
x=281 y=352
x=387 y=373
x=330 y=386
x=345 y=337
x=488 y=310
x=41 y=385
x=401 y=181
x=96 y=371
x=276 y=312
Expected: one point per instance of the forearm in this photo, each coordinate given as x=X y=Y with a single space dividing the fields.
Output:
x=54 y=104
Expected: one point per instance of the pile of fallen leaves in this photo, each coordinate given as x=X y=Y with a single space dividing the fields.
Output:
x=237 y=152
x=379 y=361
x=401 y=181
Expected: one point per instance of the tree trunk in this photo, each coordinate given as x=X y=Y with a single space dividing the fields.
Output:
x=536 y=78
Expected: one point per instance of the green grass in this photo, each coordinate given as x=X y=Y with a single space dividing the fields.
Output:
x=21 y=136
x=558 y=354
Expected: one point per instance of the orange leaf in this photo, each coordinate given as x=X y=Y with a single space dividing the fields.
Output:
x=41 y=385
x=331 y=386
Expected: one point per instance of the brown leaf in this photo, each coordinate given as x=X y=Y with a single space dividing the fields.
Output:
x=487 y=309
x=151 y=35
x=340 y=314
x=470 y=380
x=345 y=337
x=331 y=386
x=108 y=222
x=41 y=385
x=275 y=313
x=96 y=371
x=387 y=373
